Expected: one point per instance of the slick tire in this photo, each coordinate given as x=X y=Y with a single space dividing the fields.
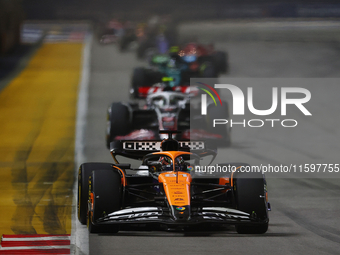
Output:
x=221 y=61
x=85 y=170
x=249 y=190
x=106 y=190
x=219 y=112
x=209 y=71
x=118 y=122
x=139 y=79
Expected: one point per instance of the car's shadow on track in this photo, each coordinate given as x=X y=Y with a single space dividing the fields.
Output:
x=198 y=234
x=228 y=231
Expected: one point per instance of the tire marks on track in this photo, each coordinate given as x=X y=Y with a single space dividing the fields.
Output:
x=315 y=185
x=37 y=150
x=323 y=231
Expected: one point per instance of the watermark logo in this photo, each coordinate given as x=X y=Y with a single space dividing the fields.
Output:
x=238 y=100
x=204 y=97
x=280 y=99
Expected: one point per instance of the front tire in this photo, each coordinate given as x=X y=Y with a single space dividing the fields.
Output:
x=250 y=196
x=85 y=171
x=105 y=195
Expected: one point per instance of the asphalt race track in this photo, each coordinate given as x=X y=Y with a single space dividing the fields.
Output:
x=305 y=211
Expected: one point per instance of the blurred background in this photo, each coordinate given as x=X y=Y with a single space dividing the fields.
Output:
x=184 y=10
x=14 y=12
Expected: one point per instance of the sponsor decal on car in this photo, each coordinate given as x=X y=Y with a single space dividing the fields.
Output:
x=180 y=208
x=156 y=145
x=190 y=168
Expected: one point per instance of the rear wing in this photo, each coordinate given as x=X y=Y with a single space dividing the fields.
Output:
x=138 y=149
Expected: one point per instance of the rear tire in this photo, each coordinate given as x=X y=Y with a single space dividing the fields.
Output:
x=85 y=170
x=142 y=77
x=118 y=122
x=105 y=185
x=209 y=71
x=220 y=112
x=139 y=79
x=250 y=196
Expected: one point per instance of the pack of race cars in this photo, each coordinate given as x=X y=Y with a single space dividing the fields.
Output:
x=165 y=86
x=157 y=128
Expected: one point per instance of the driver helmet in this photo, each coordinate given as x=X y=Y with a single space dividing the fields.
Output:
x=179 y=160
x=189 y=58
x=180 y=164
x=166 y=163
x=189 y=53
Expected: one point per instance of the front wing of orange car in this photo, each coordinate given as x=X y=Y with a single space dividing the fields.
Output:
x=144 y=215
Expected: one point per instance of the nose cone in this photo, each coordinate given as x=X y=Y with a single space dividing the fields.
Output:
x=181 y=213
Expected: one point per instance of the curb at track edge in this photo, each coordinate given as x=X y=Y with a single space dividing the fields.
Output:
x=79 y=233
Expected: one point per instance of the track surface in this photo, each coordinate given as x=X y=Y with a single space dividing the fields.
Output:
x=37 y=116
x=305 y=215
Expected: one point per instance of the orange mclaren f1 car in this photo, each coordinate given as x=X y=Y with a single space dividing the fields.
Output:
x=167 y=191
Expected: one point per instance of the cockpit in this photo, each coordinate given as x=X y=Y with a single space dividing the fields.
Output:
x=159 y=162
x=167 y=100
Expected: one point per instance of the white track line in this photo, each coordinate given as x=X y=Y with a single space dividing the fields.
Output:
x=79 y=233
